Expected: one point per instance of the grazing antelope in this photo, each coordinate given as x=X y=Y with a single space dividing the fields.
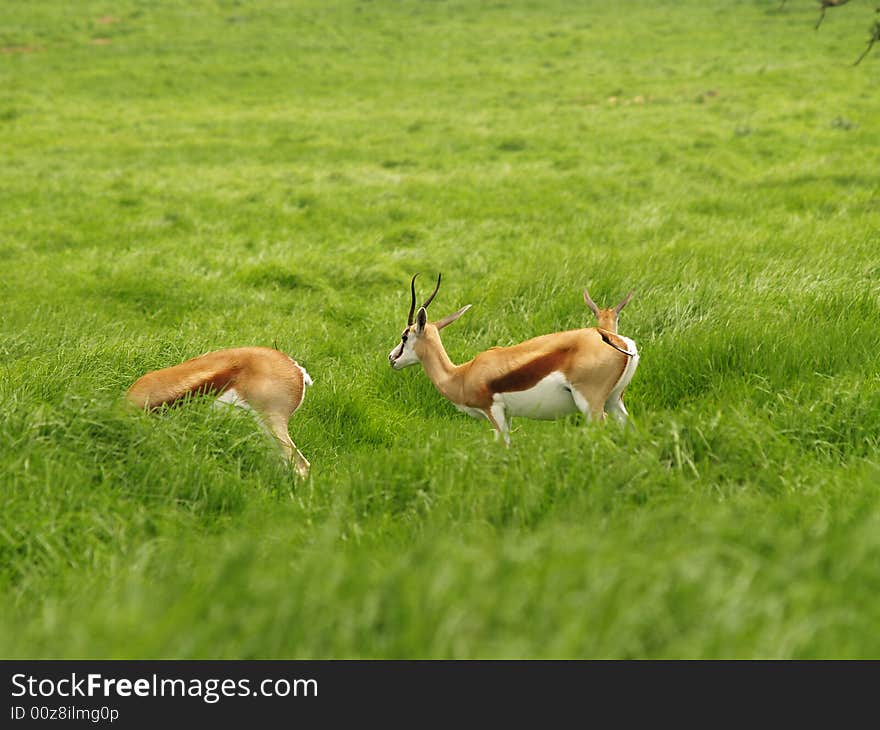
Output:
x=266 y=382
x=546 y=377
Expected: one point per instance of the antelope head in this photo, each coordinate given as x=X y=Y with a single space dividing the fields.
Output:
x=408 y=351
x=608 y=318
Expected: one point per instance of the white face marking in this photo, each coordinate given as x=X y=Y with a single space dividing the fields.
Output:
x=404 y=355
x=548 y=399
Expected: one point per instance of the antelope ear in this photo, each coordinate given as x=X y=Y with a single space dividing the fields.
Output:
x=450 y=318
x=590 y=303
x=421 y=320
x=624 y=301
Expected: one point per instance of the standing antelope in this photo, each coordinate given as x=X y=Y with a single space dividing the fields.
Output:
x=266 y=382
x=546 y=377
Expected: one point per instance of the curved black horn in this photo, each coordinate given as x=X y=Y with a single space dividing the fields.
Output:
x=412 y=306
x=433 y=294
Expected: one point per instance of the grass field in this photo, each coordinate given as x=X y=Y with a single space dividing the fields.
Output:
x=177 y=177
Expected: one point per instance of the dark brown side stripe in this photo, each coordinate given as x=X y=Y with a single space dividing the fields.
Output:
x=528 y=375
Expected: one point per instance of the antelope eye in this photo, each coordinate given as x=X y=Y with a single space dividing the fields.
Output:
x=403 y=337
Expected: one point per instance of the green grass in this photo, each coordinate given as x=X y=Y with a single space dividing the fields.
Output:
x=206 y=174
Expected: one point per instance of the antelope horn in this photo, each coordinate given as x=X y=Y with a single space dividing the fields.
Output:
x=590 y=303
x=433 y=294
x=412 y=306
x=624 y=302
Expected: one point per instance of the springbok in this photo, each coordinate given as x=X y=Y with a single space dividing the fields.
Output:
x=264 y=381
x=545 y=378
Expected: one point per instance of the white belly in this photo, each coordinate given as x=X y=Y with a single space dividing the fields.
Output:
x=548 y=399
